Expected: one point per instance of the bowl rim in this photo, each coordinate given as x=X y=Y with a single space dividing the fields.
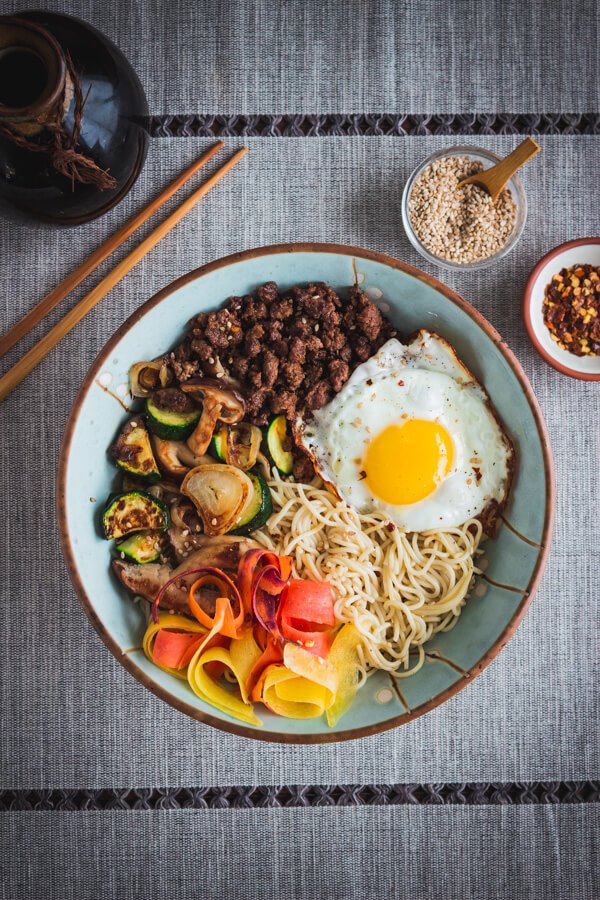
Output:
x=274 y=736
x=526 y=309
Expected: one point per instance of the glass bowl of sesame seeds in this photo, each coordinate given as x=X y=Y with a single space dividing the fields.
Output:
x=461 y=228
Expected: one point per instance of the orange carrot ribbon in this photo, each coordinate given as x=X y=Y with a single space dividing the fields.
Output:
x=230 y=621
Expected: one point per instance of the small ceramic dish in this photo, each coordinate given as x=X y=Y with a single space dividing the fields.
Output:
x=488 y=159
x=513 y=562
x=579 y=252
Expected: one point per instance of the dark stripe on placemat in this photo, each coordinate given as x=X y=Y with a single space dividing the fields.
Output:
x=473 y=794
x=372 y=124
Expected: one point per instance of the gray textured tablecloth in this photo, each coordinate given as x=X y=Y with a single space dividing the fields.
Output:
x=71 y=717
x=442 y=56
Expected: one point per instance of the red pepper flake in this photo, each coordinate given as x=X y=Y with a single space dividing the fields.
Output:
x=571 y=309
x=477 y=474
x=400 y=383
x=362 y=474
x=390 y=526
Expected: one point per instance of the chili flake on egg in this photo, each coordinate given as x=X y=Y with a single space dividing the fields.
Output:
x=571 y=309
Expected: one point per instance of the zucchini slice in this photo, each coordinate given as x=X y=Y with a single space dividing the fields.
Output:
x=259 y=507
x=171 y=415
x=278 y=436
x=217 y=444
x=142 y=547
x=132 y=451
x=134 y=511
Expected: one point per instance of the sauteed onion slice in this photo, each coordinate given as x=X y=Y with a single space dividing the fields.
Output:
x=147 y=377
x=219 y=493
x=242 y=445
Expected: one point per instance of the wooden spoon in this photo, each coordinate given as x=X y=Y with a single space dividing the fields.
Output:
x=493 y=179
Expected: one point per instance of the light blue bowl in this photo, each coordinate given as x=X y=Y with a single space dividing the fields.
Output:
x=412 y=299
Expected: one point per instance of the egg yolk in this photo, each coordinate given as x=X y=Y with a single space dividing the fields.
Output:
x=407 y=462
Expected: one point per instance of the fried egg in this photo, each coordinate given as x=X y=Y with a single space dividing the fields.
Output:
x=412 y=434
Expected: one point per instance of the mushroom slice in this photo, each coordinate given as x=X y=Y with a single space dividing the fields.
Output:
x=217 y=392
x=200 y=438
x=175 y=458
x=147 y=581
x=191 y=459
x=220 y=401
x=223 y=551
x=168 y=457
x=219 y=493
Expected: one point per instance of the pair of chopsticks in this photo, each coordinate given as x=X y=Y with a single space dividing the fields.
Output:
x=33 y=357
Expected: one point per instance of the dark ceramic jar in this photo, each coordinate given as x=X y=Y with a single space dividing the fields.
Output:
x=72 y=141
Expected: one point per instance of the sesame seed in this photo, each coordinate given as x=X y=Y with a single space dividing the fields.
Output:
x=459 y=224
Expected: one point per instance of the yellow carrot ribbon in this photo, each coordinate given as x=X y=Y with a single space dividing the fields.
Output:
x=239 y=658
x=304 y=687
x=344 y=657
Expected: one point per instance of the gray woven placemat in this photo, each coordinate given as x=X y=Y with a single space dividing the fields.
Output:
x=73 y=718
x=105 y=792
x=425 y=853
x=319 y=56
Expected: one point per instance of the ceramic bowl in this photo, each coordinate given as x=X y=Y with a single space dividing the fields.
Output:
x=582 y=251
x=488 y=159
x=513 y=561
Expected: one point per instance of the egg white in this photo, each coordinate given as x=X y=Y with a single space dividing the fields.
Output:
x=421 y=380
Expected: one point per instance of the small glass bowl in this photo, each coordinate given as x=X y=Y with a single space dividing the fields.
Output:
x=487 y=158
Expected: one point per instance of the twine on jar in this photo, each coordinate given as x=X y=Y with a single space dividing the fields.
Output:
x=61 y=146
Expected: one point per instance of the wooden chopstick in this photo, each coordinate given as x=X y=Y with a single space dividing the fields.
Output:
x=47 y=303
x=30 y=360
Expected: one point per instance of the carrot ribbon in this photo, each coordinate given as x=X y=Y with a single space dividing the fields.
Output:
x=229 y=621
x=302 y=688
x=307 y=616
x=280 y=660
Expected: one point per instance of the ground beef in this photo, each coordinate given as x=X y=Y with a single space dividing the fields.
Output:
x=293 y=374
x=339 y=372
x=202 y=349
x=291 y=351
x=362 y=348
x=282 y=309
x=319 y=395
x=240 y=367
x=369 y=321
x=253 y=310
x=268 y=292
x=183 y=370
x=280 y=348
x=270 y=368
x=173 y=399
x=284 y=402
x=303 y=467
x=297 y=351
x=253 y=344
